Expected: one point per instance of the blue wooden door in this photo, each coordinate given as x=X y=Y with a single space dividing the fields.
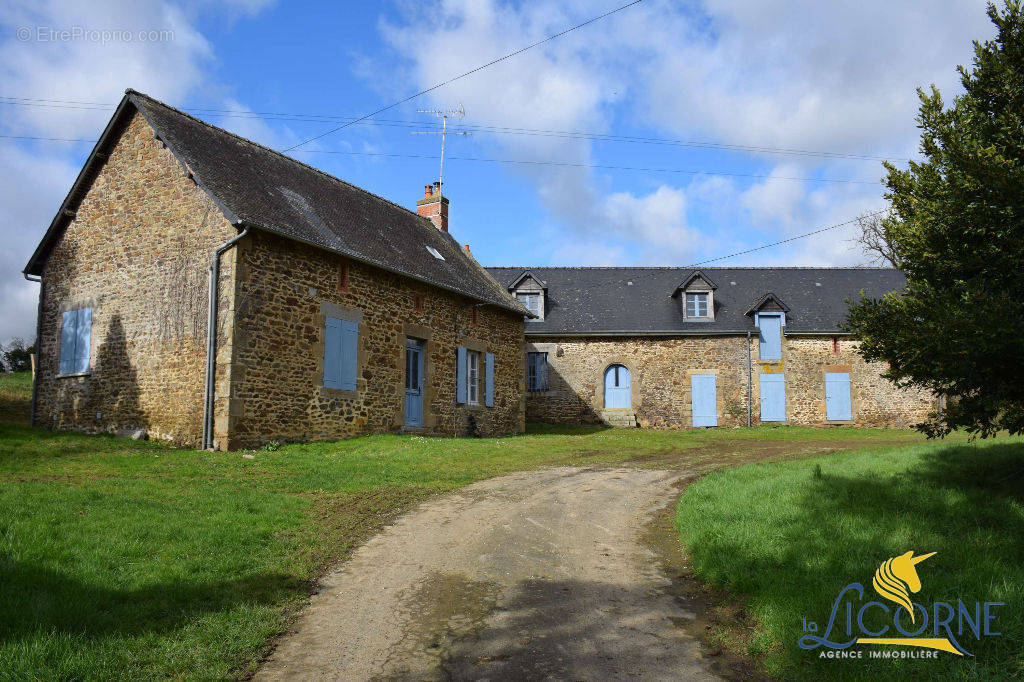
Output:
x=773 y=397
x=769 y=336
x=838 y=406
x=703 y=399
x=413 y=383
x=616 y=388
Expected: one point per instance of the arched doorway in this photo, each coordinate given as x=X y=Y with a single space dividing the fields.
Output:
x=617 y=388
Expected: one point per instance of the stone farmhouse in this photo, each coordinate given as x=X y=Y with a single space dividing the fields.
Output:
x=335 y=311
x=212 y=292
x=677 y=348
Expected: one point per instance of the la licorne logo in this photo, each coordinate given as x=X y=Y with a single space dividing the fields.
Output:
x=942 y=627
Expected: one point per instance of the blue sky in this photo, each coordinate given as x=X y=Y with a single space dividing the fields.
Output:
x=835 y=78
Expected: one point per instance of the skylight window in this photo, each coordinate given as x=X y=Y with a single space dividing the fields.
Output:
x=435 y=253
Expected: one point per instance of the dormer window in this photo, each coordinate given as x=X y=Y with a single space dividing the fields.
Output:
x=530 y=291
x=697 y=297
x=697 y=304
x=530 y=300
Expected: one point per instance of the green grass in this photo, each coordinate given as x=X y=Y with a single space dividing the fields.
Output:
x=15 y=396
x=785 y=540
x=126 y=559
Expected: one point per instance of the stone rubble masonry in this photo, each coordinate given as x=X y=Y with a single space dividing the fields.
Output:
x=137 y=252
x=660 y=371
x=285 y=291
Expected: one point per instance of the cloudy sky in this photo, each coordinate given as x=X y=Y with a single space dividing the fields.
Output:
x=748 y=122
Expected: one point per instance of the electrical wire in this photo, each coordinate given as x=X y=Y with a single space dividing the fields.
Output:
x=463 y=75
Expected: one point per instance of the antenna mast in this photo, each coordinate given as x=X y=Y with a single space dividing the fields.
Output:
x=444 y=115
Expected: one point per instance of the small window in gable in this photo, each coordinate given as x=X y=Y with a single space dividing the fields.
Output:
x=697 y=304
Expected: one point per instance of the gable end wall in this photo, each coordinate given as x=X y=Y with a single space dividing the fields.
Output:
x=137 y=252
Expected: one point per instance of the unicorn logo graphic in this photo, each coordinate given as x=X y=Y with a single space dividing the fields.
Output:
x=897 y=577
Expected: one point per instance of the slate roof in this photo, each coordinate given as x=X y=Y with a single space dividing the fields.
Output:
x=257 y=186
x=602 y=300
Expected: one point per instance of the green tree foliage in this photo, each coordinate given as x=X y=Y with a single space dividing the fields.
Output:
x=16 y=356
x=957 y=229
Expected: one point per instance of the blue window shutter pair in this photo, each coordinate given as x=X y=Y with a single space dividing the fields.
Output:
x=75 y=335
x=460 y=375
x=489 y=380
x=838 y=405
x=341 y=354
x=770 y=336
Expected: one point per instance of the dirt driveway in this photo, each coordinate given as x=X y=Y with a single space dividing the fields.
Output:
x=535 y=575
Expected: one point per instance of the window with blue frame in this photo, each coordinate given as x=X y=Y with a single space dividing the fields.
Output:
x=536 y=371
x=697 y=304
x=531 y=301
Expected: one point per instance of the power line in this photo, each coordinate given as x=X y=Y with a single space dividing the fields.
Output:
x=530 y=162
x=790 y=239
x=594 y=165
x=482 y=128
x=467 y=73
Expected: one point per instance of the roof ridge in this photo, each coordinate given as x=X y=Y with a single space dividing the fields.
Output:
x=131 y=91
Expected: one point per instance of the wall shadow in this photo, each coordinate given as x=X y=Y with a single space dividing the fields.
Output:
x=560 y=404
x=115 y=390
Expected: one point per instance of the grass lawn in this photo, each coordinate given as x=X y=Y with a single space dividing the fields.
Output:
x=125 y=559
x=785 y=537
x=15 y=396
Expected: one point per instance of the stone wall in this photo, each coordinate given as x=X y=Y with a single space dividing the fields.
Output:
x=137 y=253
x=285 y=289
x=661 y=368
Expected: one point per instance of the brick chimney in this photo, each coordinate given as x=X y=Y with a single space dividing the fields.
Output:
x=434 y=206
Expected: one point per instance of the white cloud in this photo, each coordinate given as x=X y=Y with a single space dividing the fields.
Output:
x=83 y=69
x=796 y=74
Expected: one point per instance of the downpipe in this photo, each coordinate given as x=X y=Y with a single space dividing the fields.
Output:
x=39 y=346
x=211 y=337
x=750 y=381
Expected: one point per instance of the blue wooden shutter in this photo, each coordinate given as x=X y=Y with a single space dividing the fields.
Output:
x=460 y=375
x=68 y=335
x=703 y=399
x=838 y=406
x=349 y=354
x=489 y=380
x=83 y=334
x=770 y=336
x=773 y=397
x=332 y=353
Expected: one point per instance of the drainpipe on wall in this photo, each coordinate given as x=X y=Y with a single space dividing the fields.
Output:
x=211 y=337
x=750 y=381
x=39 y=345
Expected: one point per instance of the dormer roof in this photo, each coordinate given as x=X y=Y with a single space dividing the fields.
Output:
x=696 y=274
x=764 y=300
x=524 y=275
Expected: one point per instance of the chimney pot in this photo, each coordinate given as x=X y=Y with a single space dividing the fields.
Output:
x=434 y=206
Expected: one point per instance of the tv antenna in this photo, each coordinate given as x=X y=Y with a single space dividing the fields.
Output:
x=444 y=115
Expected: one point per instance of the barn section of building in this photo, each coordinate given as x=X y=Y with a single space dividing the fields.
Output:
x=679 y=348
